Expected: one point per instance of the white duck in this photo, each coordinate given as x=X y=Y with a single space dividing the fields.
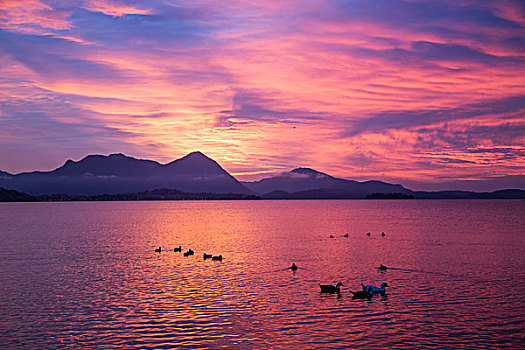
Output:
x=374 y=289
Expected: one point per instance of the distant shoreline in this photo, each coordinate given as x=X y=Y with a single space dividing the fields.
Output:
x=175 y=195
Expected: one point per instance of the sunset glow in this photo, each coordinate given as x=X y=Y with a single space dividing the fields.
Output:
x=410 y=91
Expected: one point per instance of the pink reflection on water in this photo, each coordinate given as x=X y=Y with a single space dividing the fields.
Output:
x=91 y=278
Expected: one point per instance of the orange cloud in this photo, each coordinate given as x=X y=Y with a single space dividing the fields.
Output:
x=32 y=16
x=115 y=8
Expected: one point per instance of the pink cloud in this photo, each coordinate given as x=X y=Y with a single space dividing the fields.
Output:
x=32 y=16
x=115 y=8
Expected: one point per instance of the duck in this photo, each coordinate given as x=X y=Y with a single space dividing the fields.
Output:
x=328 y=288
x=362 y=295
x=331 y=236
x=186 y=254
x=374 y=289
x=293 y=267
x=346 y=235
x=383 y=234
x=206 y=256
x=382 y=267
x=158 y=250
x=179 y=249
x=368 y=234
x=217 y=258
x=191 y=252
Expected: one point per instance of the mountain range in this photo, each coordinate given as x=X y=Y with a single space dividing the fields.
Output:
x=196 y=173
x=117 y=173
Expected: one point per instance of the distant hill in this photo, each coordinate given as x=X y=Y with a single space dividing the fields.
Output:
x=501 y=194
x=160 y=194
x=390 y=196
x=14 y=196
x=332 y=193
x=299 y=179
x=117 y=173
x=305 y=183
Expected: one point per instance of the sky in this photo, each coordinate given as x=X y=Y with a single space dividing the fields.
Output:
x=426 y=93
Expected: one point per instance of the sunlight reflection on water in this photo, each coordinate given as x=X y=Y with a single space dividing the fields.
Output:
x=86 y=274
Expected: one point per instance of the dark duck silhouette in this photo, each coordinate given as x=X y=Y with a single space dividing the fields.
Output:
x=331 y=236
x=346 y=235
x=368 y=234
x=293 y=267
x=217 y=258
x=158 y=250
x=206 y=256
x=383 y=234
x=382 y=267
x=179 y=249
x=328 y=288
x=362 y=295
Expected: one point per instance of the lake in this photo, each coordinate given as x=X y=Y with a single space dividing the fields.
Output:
x=85 y=274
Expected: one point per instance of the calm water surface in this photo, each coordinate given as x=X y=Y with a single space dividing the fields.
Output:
x=86 y=275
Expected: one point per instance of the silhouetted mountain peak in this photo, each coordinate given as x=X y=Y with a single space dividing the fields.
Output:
x=196 y=154
x=116 y=156
x=112 y=157
x=197 y=162
x=304 y=170
x=196 y=157
x=116 y=164
x=309 y=173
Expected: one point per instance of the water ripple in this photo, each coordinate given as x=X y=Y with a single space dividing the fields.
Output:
x=87 y=275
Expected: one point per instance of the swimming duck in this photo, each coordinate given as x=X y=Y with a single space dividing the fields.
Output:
x=374 y=289
x=328 y=288
x=190 y=252
x=368 y=234
x=179 y=249
x=346 y=235
x=158 y=250
x=206 y=256
x=217 y=258
x=362 y=295
x=331 y=236
x=383 y=234
x=293 y=267
x=186 y=254
x=382 y=267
